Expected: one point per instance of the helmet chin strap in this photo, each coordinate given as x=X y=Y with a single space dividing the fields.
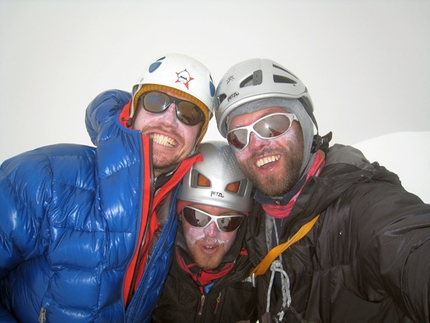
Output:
x=166 y=170
x=130 y=122
x=174 y=167
x=321 y=142
x=195 y=149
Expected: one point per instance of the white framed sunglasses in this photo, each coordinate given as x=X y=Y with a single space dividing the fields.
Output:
x=201 y=219
x=268 y=127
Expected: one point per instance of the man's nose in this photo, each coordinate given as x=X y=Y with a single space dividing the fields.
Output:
x=255 y=142
x=169 y=115
x=211 y=230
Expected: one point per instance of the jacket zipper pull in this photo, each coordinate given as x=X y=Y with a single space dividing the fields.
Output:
x=42 y=315
x=218 y=300
x=202 y=303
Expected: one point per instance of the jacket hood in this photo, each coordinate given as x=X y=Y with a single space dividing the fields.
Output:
x=102 y=114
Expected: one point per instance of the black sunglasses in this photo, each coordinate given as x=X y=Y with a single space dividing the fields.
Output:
x=200 y=219
x=186 y=111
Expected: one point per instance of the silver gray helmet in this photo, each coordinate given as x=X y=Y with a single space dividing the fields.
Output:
x=217 y=180
x=257 y=84
x=257 y=79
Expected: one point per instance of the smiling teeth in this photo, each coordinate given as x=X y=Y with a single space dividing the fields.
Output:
x=163 y=140
x=263 y=161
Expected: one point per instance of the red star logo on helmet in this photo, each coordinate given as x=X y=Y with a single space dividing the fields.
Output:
x=184 y=77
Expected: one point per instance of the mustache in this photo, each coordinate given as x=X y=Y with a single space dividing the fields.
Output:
x=210 y=240
x=266 y=152
x=169 y=128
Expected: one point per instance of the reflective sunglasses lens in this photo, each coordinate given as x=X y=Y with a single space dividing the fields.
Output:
x=200 y=220
x=272 y=126
x=195 y=218
x=238 y=138
x=267 y=127
x=189 y=113
x=229 y=224
x=155 y=102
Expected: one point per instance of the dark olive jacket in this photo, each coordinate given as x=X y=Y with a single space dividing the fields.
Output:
x=367 y=258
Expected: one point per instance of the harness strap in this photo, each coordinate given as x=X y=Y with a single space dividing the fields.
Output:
x=262 y=267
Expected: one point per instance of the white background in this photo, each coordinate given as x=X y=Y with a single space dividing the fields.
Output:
x=365 y=63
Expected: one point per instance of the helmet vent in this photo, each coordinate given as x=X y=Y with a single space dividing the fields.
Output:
x=246 y=82
x=255 y=79
x=283 y=79
x=203 y=181
x=239 y=188
x=221 y=98
x=283 y=69
x=198 y=180
x=233 y=187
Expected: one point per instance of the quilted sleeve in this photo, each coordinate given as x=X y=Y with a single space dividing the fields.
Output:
x=24 y=195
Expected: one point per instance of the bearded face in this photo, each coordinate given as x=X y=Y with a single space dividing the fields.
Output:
x=272 y=164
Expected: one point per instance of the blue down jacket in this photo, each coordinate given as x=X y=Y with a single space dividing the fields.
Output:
x=69 y=226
